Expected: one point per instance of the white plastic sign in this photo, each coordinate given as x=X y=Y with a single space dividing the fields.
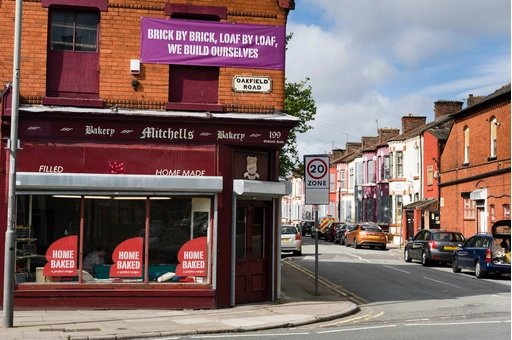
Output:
x=316 y=176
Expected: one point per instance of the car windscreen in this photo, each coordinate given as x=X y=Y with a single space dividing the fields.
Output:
x=448 y=237
x=370 y=228
x=288 y=230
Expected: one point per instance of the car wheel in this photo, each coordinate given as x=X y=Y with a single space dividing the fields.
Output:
x=479 y=273
x=455 y=266
x=356 y=245
x=383 y=247
x=297 y=252
x=407 y=256
x=336 y=240
x=424 y=260
x=346 y=243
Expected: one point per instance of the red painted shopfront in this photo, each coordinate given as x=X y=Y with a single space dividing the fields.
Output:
x=156 y=178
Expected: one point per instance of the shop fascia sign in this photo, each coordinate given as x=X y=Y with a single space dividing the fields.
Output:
x=252 y=84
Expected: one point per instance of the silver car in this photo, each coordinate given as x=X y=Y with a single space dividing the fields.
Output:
x=291 y=240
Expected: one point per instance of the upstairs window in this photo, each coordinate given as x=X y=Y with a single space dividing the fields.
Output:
x=72 y=74
x=371 y=171
x=343 y=183
x=387 y=168
x=399 y=164
x=74 y=31
x=494 y=134
x=466 y=146
x=430 y=175
x=351 y=178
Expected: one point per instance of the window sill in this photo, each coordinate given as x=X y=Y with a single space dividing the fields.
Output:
x=58 y=101
x=193 y=107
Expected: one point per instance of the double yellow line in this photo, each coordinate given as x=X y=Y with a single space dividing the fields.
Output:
x=328 y=284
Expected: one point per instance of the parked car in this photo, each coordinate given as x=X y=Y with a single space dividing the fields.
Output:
x=291 y=240
x=485 y=253
x=331 y=231
x=433 y=245
x=341 y=234
x=322 y=225
x=306 y=226
x=366 y=234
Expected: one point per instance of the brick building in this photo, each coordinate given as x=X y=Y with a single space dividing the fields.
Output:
x=152 y=129
x=474 y=167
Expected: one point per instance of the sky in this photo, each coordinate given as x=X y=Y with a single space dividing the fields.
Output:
x=371 y=62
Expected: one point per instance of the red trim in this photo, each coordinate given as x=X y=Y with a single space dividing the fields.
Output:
x=72 y=102
x=115 y=298
x=195 y=10
x=99 y=4
x=193 y=107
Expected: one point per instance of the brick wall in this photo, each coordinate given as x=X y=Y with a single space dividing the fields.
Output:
x=482 y=172
x=120 y=42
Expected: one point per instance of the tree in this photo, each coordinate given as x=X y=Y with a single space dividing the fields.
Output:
x=298 y=102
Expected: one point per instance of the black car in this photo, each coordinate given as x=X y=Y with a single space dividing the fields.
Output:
x=433 y=245
x=305 y=227
x=341 y=233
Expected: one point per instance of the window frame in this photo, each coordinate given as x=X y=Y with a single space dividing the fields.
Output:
x=493 y=137
x=466 y=146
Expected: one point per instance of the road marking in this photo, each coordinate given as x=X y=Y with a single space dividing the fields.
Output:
x=360 y=258
x=244 y=335
x=454 y=323
x=441 y=282
x=400 y=270
x=355 y=329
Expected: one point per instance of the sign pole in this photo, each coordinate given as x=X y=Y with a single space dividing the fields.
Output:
x=317 y=182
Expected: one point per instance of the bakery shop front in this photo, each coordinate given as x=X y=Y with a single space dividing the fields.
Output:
x=153 y=210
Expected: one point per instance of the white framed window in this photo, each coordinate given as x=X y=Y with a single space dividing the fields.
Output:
x=332 y=184
x=494 y=134
x=351 y=177
x=387 y=168
x=466 y=145
x=399 y=164
x=469 y=209
x=370 y=171
x=343 y=179
x=506 y=211
x=492 y=212
x=430 y=175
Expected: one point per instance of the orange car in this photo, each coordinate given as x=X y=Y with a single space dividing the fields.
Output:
x=366 y=234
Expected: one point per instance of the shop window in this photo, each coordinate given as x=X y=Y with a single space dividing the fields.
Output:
x=466 y=146
x=73 y=58
x=113 y=239
x=469 y=209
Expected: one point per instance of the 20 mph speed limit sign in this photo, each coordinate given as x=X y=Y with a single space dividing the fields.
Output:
x=316 y=176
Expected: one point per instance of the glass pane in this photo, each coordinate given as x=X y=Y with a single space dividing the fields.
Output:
x=109 y=222
x=241 y=233
x=258 y=238
x=86 y=31
x=42 y=221
x=62 y=27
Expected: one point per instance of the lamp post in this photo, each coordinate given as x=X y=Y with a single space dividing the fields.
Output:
x=10 y=236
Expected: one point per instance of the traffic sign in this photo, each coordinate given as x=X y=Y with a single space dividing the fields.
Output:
x=316 y=177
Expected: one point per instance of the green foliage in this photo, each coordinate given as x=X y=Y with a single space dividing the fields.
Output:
x=298 y=102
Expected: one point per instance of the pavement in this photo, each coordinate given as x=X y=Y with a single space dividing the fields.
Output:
x=300 y=304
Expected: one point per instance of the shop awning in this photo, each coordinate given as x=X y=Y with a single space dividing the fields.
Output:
x=30 y=182
x=478 y=194
x=242 y=187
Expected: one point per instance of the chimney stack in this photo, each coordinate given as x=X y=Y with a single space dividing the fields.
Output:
x=411 y=122
x=446 y=107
